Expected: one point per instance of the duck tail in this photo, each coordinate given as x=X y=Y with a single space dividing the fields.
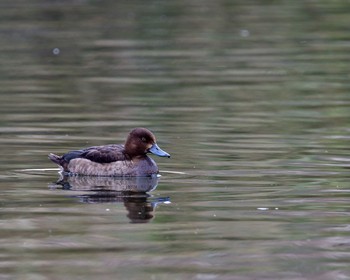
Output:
x=55 y=158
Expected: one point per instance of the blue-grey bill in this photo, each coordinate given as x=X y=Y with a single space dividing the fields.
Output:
x=158 y=151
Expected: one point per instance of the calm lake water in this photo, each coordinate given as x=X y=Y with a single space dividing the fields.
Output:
x=251 y=99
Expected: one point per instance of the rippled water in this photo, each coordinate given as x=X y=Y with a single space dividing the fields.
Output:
x=251 y=99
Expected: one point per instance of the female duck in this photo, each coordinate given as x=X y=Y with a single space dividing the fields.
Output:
x=129 y=159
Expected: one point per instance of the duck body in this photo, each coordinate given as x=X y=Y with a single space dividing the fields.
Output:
x=130 y=159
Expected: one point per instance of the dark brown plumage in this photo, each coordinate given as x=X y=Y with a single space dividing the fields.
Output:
x=129 y=159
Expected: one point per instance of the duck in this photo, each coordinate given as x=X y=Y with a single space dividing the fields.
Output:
x=130 y=159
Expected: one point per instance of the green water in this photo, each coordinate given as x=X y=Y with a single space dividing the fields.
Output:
x=251 y=99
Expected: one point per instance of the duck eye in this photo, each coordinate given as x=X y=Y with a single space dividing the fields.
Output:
x=143 y=139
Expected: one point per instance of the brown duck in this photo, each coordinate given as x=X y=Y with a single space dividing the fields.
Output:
x=129 y=159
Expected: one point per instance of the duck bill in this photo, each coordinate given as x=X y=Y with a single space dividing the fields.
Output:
x=158 y=151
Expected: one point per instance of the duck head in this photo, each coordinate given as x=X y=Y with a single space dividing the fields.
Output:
x=141 y=141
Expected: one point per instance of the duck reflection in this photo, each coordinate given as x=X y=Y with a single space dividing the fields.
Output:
x=132 y=191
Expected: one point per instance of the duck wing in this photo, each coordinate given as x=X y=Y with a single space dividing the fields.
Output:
x=100 y=154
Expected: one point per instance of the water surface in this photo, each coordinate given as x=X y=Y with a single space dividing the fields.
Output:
x=251 y=100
